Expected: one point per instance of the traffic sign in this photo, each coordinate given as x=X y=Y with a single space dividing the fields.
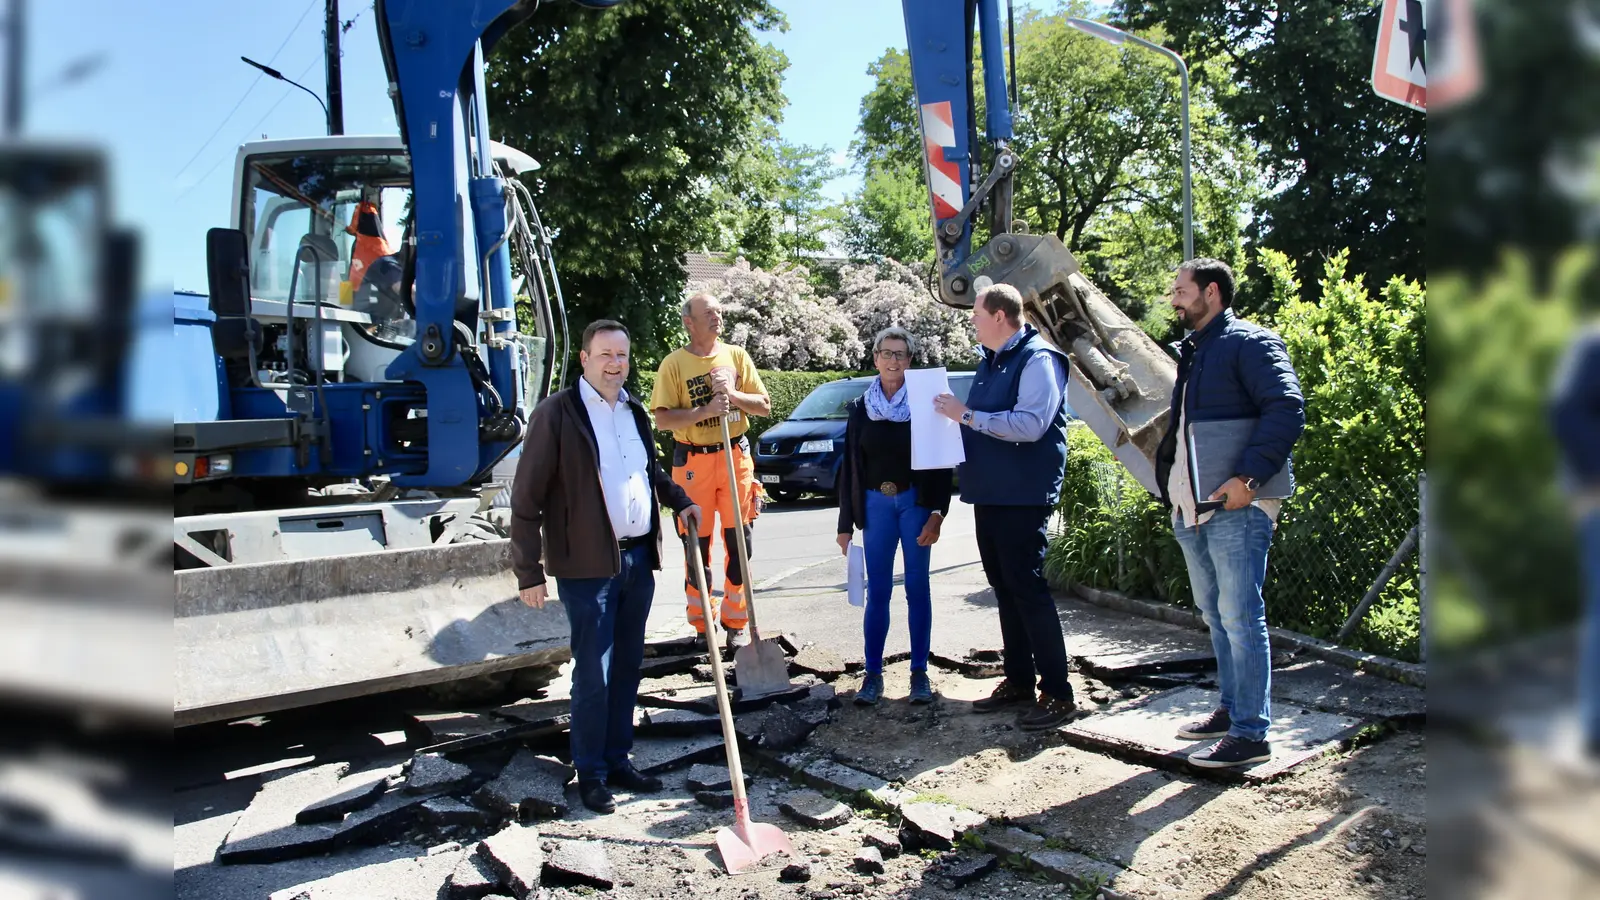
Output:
x=1426 y=47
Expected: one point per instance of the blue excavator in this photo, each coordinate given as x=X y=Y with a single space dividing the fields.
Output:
x=359 y=372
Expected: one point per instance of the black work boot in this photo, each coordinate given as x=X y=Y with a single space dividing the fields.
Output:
x=1007 y=693
x=596 y=797
x=1048 y=713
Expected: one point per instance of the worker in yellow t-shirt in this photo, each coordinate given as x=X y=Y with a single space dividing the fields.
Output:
x=696 y=386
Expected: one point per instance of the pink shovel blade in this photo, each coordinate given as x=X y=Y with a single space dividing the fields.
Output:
x=759 y=840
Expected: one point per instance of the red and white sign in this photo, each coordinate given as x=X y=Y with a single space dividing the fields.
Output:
x=944 y=176
x=1427 y=50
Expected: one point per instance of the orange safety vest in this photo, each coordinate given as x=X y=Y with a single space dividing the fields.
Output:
x=370 y=244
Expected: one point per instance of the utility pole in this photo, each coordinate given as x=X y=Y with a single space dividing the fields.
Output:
x=335 y=91
x=16 y=35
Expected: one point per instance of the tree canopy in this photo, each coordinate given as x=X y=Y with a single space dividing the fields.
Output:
x=644 y=119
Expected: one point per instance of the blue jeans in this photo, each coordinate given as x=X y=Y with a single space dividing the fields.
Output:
x=1227 y=559
x=1589 y=646
x=890 y=521
x=607 y=616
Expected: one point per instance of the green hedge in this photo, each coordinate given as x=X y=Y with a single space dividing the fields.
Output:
x=786 y=389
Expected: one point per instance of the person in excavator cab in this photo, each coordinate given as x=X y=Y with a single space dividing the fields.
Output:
x=367 y=227
x=696 y=386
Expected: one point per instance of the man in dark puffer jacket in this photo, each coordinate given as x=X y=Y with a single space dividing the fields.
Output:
x=1575 y=417
x=1229 y=369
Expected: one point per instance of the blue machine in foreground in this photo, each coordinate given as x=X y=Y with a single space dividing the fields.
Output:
x=358 y=374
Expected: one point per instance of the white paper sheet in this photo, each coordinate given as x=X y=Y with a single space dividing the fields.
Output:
x=935 y=438
x=856 y=567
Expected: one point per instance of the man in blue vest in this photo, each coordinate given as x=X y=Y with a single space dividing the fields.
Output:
x=1575 y=416
x=1229 y=369
x=1015 y=438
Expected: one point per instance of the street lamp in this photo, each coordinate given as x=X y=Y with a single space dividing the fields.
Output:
x=274 y=73
x=1116 y=37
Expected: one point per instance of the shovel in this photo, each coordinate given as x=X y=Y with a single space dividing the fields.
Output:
x=761 y=666
x=746 y=842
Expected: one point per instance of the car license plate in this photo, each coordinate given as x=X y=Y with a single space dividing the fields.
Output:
x=769 y=479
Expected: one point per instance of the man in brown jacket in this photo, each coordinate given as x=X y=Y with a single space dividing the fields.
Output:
x=586 y=509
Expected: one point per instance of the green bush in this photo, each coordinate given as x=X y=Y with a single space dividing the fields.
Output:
x=1501 y=546
x=1360 y=363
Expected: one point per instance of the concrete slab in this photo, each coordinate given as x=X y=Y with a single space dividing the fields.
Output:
x=711 y=778
x=869 y=861
x=579 y=864
x=1107 y=643
x=453 y=732
x=818 y=661
x=1326 y=687
x=516 y=858
x=777 y=727
x=714 y=799
x=884 y=839
x=703 y=699
x=431 y=772
x=827 y=775
x=936 y=826
x=1075 y=869
x=662 y=666
x=418 y=878
x=1146 y=730
x=361 y=792
x=652 y=756
x=446 y=811
x=1009 y=842
x=813 y=810
x=677 y=723
x=975 y=664
x=529 y=784
x=267 y=832
x=966 y=868
x=472 y=878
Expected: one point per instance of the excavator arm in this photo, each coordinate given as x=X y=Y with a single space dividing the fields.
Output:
x=1119 y=381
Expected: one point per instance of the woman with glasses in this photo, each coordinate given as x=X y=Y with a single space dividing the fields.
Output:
x=880 y=494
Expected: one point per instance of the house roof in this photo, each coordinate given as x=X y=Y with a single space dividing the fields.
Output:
x=706 y=266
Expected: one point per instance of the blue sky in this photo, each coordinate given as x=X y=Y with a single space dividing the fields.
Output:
x=173 y=101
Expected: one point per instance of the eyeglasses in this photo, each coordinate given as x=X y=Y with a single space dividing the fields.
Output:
x=896 y=355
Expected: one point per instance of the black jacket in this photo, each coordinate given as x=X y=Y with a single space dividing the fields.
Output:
x=933 y=486
x=559 y=520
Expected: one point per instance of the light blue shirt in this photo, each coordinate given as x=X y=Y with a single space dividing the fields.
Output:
x=1039 y=395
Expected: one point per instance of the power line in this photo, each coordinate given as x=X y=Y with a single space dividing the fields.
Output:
x=246 y=95
x=251 y=130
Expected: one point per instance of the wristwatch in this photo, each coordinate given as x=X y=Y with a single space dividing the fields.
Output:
x=966 y=418
x=1250 y=484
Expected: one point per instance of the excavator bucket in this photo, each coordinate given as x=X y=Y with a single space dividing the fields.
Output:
x=261 y=637
x=1120 y=383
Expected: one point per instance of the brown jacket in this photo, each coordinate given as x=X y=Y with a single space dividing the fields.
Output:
x=559 y=524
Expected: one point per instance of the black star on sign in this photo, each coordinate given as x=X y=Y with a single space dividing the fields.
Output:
x=1416 y=34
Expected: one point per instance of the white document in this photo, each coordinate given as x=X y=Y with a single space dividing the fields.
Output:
x=935 y=438
x=857 y=578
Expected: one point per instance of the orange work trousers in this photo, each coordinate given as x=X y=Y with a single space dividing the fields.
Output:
x=704 y=477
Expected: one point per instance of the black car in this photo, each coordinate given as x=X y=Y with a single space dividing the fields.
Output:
x=801 y=454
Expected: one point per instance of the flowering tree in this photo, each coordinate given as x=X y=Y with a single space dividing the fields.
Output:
x=876 y=296
x=780 y=321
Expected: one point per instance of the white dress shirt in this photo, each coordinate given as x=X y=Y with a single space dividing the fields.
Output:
x=624 y=462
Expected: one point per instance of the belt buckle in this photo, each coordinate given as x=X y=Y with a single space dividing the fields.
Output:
x=888 y=489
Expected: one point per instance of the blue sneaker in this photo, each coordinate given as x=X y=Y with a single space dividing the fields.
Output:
x=921 y=688
x=871 y=690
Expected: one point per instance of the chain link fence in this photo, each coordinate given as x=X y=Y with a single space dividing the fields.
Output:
x=1335 y=537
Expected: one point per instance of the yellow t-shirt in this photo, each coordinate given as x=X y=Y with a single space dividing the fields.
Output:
x=684 y=382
